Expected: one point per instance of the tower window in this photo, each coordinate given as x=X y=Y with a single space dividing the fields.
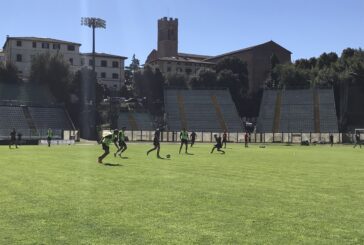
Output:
x=19 y=58
x=18 y=43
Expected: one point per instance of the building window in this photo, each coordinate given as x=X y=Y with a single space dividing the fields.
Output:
x=90 y=62
x=103 y=75
x=18 y=43
x=71 y=61
x=19 y=58
x=188 y=70
x=115 y=76
x=169 y=69
x=178 y=63
x=34 y=44
x=115 y=64
x=45 y=45
x=103 y=63
x=82 y=61
x=71 y=47
x=56 y=46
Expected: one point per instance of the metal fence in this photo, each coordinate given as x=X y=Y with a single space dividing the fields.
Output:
x=30 y=134
x=238 y=137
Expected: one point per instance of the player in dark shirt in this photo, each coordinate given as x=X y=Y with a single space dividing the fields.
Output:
x=13 y=139
x=224 y=139
x=115 y=138
x=331 y=139
x=357 y=140
x=156 y=143
x=121 y=142
x=246 y=139
x=193 y=138
x=218 y=144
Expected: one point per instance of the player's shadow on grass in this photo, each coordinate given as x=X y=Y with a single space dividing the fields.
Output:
x=112 y=164
x=163 y=158
x=189 y=154
x=124 y=157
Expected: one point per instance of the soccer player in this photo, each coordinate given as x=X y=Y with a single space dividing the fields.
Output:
x=13 y=139
x=49 y=136
x=224 y=139
x=193 y=138
x=184 y=140
x=121 y=141
x=105 y=141
x=218 y=145
x=115 y=138
x=331 y=139
x=357 y=140
x=155 y=143
x=246 y=139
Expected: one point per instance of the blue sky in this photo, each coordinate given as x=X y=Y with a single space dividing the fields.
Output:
x=306 y=27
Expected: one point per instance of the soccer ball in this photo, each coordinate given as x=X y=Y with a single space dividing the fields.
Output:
x=168 y=156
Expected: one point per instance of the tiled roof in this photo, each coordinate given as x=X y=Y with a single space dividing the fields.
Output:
x=247 y=49
x=40 y=39
x=105 y=55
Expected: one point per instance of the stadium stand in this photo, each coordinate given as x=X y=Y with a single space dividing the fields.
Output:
x=201 y=110
x=302 y=110
x=49 y=117
x=267 y=113
x=135 y=121
x=31 y=110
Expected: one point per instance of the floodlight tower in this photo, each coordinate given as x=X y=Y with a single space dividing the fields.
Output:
x=88 y=86
x=93 y=23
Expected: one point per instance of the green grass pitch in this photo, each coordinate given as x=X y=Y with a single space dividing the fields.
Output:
x=273 y=195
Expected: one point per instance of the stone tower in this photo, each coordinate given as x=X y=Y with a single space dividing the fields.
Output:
x=167 y=37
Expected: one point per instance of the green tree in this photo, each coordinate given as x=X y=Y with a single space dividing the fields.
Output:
x=9 y=73
x=52 y=71
x=290 y=76
x=150 y=84
x=177 y=80
x=237 y=67
x=326 y=60
x=135 y=64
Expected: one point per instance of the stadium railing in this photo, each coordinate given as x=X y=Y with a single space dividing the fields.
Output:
x=29 y=134
x=238 y=137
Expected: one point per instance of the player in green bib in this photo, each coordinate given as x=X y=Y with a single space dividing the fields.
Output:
x=105 y=141
x=184 y=140
x=49 y=137
x=122 y=145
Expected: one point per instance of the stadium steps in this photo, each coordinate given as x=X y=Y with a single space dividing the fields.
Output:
x=29 y=118
x=181 y=108
x=219 y=115
x=132 y=122
x=316 y=110
x=277 y=112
